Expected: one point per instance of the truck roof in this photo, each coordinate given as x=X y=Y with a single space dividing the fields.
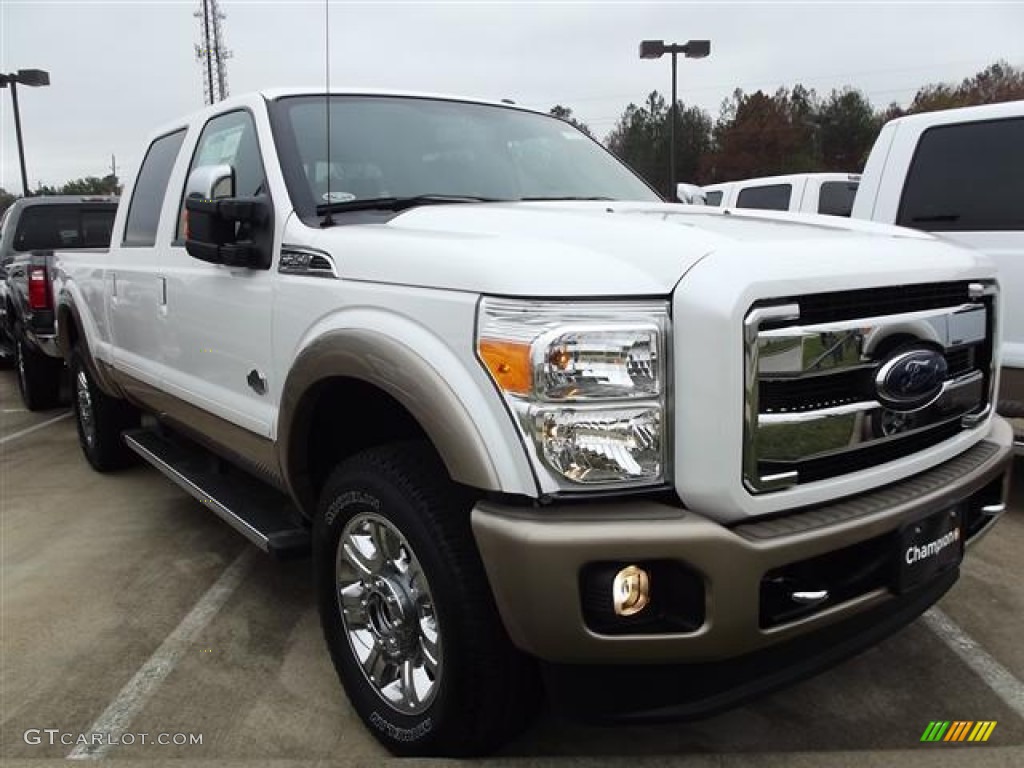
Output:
x=272 y=94
x=277 y=93
x=789 y=177
x=961 y=115
x=31 y=202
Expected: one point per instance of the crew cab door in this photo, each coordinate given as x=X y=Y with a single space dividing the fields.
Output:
x=219 y=315
x=133 y=281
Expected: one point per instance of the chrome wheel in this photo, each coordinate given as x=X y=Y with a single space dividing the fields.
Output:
x=83 y=398
x=388 y=613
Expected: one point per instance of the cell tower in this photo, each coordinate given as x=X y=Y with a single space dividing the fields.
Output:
x=211 y=53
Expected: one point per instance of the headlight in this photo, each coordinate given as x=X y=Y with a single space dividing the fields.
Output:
x=586 y=382
x=598 y=363
x=593 y=446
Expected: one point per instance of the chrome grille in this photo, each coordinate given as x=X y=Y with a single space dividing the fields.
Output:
x=833 y=387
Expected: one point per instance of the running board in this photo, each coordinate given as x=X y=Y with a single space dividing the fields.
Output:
x=260 y=513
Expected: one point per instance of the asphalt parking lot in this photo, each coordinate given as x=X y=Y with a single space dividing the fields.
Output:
x=104 y=576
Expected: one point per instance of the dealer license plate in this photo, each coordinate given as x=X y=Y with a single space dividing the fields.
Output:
x=928 y=547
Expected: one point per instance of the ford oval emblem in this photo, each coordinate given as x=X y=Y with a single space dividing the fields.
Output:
x=911 y=380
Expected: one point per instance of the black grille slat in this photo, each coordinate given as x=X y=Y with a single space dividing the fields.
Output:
x=960 y=361
x=872 y=454
x=800 y=521
x=871 y=302
x=814 y=392
x=787 y=395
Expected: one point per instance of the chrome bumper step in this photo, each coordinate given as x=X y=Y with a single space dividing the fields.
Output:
x=263 y=515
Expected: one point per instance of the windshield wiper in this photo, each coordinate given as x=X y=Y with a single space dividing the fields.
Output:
x=938 y=217
x=557 y=199
x=396 y=203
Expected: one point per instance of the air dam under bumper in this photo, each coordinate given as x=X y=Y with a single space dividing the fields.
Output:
x=535 y=558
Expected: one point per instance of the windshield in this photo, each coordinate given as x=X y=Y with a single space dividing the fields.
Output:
x=394 y=147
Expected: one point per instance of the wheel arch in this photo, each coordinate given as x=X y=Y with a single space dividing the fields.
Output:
x=71 y=333
x=385 y=385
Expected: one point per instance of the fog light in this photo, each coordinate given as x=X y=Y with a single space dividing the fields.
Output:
x=631 y=591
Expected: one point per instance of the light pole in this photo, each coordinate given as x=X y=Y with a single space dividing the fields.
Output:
x=692 y=49
x=32 y=78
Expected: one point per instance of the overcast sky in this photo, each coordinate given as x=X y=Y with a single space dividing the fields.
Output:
x=119 y=69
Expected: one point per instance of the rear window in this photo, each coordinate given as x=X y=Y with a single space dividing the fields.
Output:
x=967 y=177
x=774 y=197
x=51 y=227
x=836 y=197
x=713 y=198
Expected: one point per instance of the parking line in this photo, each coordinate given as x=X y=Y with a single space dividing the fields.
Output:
x=129 y=702
x=996 y=676
x=33 y=428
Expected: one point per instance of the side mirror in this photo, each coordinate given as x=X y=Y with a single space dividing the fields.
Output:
x=211 y=182
x=690 y=194
x=221 y=228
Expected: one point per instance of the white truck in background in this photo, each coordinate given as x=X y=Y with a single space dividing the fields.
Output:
x=959 y=174
x=827 y=193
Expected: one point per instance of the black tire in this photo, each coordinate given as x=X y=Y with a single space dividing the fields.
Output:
x=486 y=690
x=7 y=351
x=39 y=376
x=100 y=437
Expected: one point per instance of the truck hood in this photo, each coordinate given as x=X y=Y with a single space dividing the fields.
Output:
x=584 y=248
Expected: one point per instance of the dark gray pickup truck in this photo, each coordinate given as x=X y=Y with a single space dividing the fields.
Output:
x=30 y=230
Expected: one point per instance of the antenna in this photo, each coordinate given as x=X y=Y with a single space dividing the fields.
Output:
x=328 y=221
x=211 y=53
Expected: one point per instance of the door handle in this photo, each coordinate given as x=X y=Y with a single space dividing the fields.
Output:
x=163 y=297
x=113 y=285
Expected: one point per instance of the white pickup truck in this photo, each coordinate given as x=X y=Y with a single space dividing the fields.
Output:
x=831 y=194
x=959 y=173
x=534 y=422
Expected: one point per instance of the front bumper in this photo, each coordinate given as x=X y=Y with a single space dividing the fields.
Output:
x=659 y=692
x=1011 y=402
x=534 y=560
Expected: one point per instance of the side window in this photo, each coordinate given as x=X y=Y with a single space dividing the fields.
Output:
x=150 y=187
x=714 y=197
x=836 y=197
x=770 y=198
x=967 y=177
x=229 y=139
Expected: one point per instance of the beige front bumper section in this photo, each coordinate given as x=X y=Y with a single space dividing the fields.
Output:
x=533 y=559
